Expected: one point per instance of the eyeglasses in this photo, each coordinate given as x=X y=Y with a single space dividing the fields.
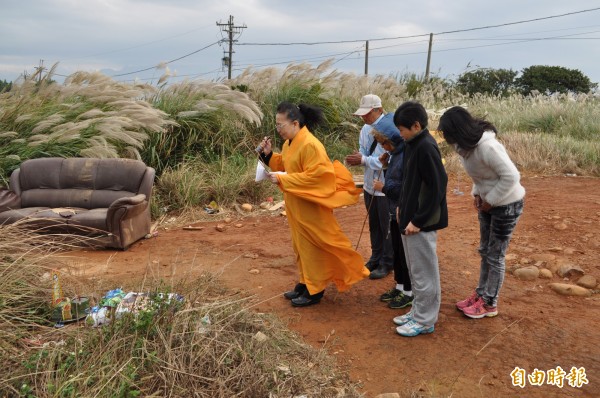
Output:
x=279 y=126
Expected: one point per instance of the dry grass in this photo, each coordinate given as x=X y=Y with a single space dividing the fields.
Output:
x=209 y=346
x=196 y=183
x=89 y=115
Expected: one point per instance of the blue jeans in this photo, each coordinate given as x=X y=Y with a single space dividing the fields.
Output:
x=496 y=228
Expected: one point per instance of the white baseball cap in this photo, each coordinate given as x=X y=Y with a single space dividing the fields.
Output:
x=367 y=104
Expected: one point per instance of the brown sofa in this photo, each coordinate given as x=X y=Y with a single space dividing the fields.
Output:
x=104 y=198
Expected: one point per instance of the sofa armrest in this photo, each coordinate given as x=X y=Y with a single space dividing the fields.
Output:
x=9 y=200
x=131 y=201
x=125 y=208
x=15 y=181
x=128 y=219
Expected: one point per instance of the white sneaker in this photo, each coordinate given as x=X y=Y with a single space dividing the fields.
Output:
x=402 y=319
x=413 y=328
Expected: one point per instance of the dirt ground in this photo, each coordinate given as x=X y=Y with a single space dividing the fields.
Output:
x=536 y=329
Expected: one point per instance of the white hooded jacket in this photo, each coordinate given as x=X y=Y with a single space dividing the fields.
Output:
x=495 y=177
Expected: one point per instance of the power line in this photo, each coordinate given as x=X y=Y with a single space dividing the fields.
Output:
x=168 y=62
x=424 y=34
x=308 y=58
x=348 y=53
x=139 y=45
x=566 y=37
x=517 y=41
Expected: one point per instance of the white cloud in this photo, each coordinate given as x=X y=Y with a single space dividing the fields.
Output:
x=129 y=35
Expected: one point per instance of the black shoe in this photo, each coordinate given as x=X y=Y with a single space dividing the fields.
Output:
x=401 y=301
x=307 y=299
x=390 y=295
x=298 y=291
x=380 y=272
x=371 y=265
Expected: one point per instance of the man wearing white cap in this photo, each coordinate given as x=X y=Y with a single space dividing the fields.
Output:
x=382 y=255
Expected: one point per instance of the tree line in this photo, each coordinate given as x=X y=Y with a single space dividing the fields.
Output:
x=537 y=78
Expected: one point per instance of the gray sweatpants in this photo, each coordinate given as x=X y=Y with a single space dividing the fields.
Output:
x=422 y=261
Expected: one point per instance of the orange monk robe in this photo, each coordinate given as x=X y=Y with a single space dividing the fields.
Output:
x=312 y=187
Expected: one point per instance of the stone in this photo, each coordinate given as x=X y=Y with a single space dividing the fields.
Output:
x=544 y=257
x=283 y=213
x=238 y=225
x=546 y=273
x=247 y=207
x=556 y=249
x=251 y=255
x=220 y=227
x=567 y=289
x=512 y=268
x=527 y=273
x=511 y=257
x=388 y=395
x=254 y=271
x=228 y=220
x=567 y=270
x=277 y=206
x=260 y=337
x=265 y=205
x=553 y=268
x=560 y=226
x=587 y=281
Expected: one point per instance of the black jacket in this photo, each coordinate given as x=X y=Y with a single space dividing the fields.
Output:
x=423 y=199
x=393 y=177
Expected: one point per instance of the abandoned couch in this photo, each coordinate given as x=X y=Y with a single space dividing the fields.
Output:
x=104 y=198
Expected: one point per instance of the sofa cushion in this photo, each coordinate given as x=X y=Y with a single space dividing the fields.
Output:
x=46 y=217
x=119 y=175
x=38 y=217
x=104 y=197
x=94 y=218
x=50 y=197
x=41 y=173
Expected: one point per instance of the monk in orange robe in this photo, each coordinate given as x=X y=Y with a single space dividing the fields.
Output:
x=312 y=187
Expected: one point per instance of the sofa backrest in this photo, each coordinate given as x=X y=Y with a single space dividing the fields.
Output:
x=88 y=183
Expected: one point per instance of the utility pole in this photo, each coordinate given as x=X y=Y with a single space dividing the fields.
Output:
x=428 y=58
x=39 y=70
x=367 y=57
x=232 y=33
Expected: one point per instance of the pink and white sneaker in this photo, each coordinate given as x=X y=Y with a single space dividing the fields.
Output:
x=480 y=310
x=469 y=301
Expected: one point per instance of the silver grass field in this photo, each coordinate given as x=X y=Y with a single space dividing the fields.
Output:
x=200 y=137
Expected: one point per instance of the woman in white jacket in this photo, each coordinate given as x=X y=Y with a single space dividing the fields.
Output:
x=498 y=197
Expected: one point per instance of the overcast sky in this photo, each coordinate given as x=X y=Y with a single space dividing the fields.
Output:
x=123 y=37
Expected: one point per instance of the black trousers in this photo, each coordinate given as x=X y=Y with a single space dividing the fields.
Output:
x=401 y=275
x=382 y=252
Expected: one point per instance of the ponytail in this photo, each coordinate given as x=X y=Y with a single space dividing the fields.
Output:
x=306 y=115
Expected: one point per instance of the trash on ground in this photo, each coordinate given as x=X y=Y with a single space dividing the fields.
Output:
x=116 y=303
